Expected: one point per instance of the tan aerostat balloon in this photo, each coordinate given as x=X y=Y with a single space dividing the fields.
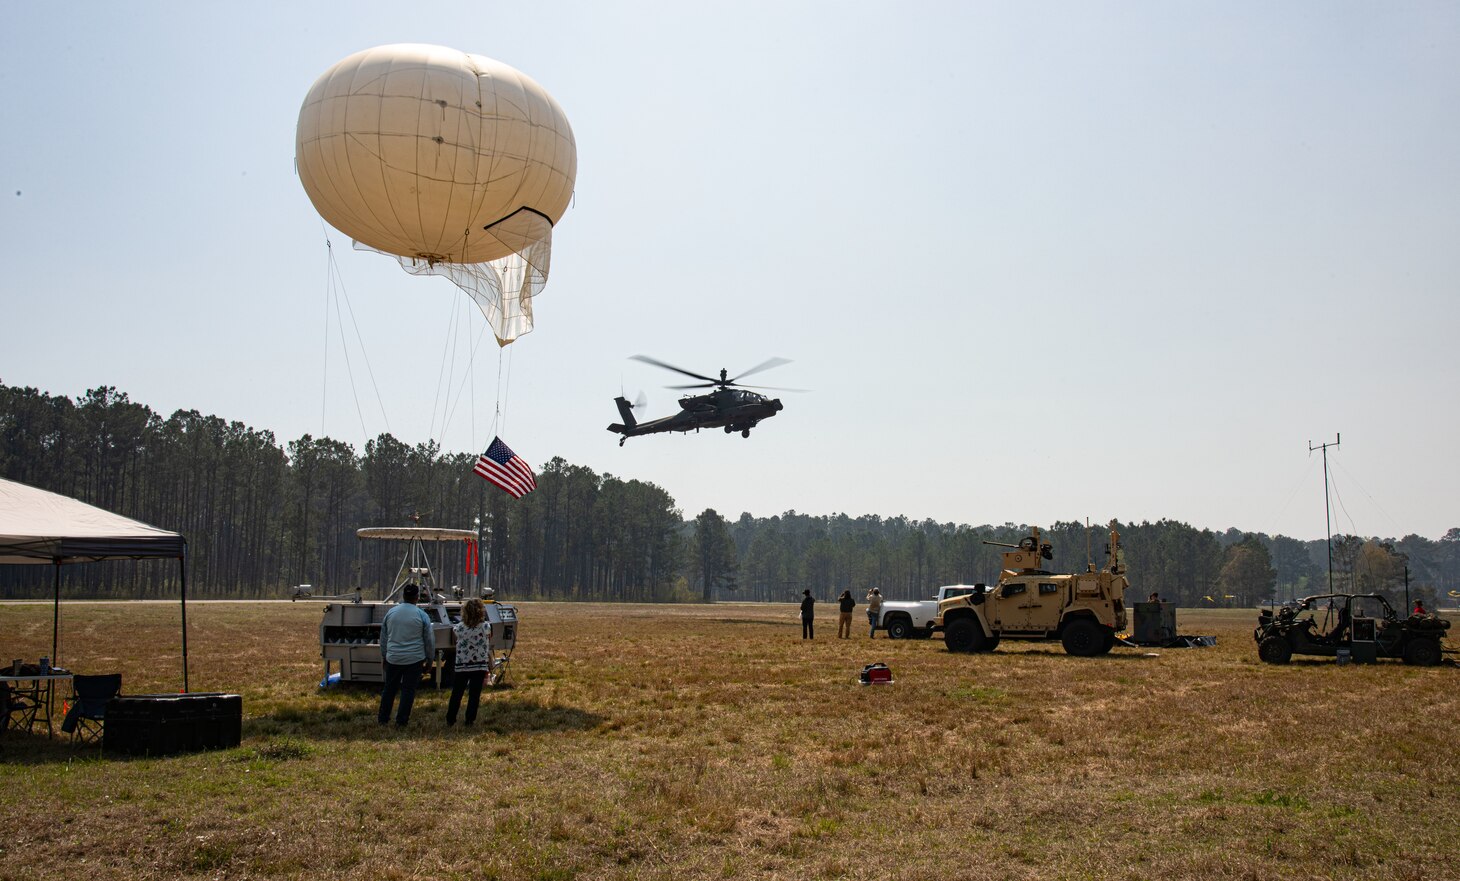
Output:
x=456 y=164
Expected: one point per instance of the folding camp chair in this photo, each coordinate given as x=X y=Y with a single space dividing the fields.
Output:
x=87 y=715
x=18 y=707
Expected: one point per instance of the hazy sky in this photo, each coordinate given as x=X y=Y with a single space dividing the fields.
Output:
x=1037 y=261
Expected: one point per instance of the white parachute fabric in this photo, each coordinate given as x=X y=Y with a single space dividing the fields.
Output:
x=503 y=288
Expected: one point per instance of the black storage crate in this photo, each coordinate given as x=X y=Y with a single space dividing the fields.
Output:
x=164 y=724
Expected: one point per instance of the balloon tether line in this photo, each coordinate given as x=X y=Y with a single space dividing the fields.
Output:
x=324 y=384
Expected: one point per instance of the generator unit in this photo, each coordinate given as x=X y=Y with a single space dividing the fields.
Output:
x=1153 y=623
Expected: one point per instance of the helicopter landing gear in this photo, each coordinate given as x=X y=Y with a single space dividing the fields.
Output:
x=728 y=429
x=745 y=433
x=622 y=439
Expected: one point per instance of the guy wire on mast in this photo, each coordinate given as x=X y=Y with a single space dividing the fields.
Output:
x=1327 y=516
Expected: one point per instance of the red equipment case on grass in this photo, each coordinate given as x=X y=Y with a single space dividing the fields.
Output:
x=876 y=674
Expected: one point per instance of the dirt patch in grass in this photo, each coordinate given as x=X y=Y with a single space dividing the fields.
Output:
x=654 y=742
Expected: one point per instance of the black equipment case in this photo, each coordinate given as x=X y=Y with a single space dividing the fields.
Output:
x=164 y=724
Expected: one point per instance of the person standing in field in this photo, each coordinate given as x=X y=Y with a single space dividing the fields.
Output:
x=808 y=615
x=844 y=622
x=473 y=660
x=874 y=611
x=406 y=642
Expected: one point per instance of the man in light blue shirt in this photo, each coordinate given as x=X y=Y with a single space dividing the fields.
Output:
x=406 y=642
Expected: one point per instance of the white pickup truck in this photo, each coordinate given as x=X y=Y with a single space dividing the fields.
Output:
x=914 y=620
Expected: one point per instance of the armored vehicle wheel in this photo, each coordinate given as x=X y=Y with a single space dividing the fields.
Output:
x=899 y=628
x=1275 y=650
x=964 y=635
x=1109 y=641
x=1422 y=652
x=991 y=643
x=1083 y=638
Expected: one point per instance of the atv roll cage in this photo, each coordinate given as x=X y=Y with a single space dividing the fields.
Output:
x=1362 y=626
x=1338 y=613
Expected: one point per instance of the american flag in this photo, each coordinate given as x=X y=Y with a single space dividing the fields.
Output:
x=506 y=469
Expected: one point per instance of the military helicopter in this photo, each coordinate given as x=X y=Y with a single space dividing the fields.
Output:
x=731 y=405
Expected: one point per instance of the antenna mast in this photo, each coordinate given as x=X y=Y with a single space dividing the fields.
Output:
x=1327 y=519
x=1089 y=553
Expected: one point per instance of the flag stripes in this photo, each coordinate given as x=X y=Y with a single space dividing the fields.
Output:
x=500 y=466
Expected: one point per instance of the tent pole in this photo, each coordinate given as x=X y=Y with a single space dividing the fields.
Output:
x=182 y=566
x=56 y=615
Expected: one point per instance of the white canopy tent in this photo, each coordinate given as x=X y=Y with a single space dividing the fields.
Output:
x=43 y=528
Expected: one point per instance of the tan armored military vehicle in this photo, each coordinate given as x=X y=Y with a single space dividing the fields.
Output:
x=1083 y=611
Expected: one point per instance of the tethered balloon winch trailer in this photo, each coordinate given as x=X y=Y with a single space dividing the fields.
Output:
x=349 y=633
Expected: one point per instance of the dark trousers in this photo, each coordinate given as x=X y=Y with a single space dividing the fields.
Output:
x=808 y=628
x=471 y=683
x=402 y=678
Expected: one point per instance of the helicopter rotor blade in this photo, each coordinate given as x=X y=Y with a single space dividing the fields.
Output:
x=697 y=385
x=774 y=388
x=657 y=363
x=765 y=365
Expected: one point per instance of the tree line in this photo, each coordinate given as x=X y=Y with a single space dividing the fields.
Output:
x=260 y=517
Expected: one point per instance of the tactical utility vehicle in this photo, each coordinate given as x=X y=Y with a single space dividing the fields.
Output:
x=1364 y=626
x=1083 y=611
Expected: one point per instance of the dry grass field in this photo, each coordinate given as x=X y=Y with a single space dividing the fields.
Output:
x=681 y=742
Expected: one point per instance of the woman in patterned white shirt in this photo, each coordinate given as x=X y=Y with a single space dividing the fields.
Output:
x=473 y=660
